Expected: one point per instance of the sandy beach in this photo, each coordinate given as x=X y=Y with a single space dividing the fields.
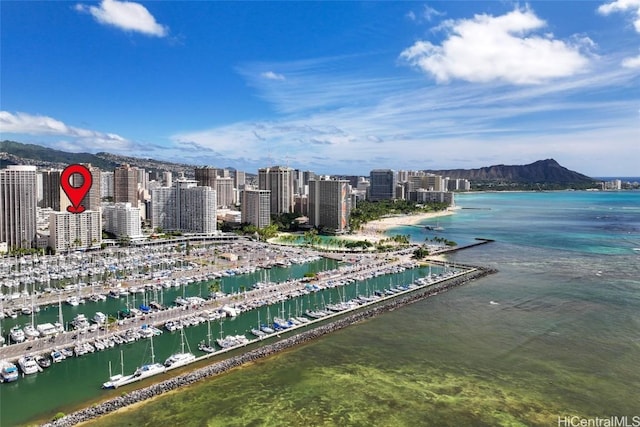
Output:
x=374 y=230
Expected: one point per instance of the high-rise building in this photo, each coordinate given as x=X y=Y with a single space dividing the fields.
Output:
x=197 y=209
x=184 y=207
x=123 y=220
x=224 y=192
x=18 y=203
x=71 y=231
x=329 y=204
x=239 y=178
x=163 y=208
x=206 y=176
x=382 y=185
x=125 y=188
x=106 y=184
x=50 y=189
x=279 y=181
x=142 y=180
x=166 y=179
x=256 y=208
x=92 y=200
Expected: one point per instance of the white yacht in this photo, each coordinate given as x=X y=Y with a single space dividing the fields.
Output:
x=80 y=322
x=28 y=365
x=8 y=372
x=73 y=301
x=17 y=334
x=57 y=356
x=180 y=359
x=31 y=332
x=149 y=370
x=100 y=318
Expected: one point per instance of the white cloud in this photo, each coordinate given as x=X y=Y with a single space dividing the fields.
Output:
x=270 y=75
x=332 y=119
x=429 y=13
x=631 y=62
x=497 y=48
x=23 y=123
x=623 y=6
x=128 y=16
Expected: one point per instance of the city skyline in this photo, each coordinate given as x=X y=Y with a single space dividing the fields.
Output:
x=340 y=88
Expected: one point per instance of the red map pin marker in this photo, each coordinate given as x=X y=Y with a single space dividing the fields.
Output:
x=76 y=194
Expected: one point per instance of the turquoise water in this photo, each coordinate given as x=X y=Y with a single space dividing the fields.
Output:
x=555 y=333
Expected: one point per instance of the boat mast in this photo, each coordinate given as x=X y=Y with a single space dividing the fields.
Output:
x=60 y=319
x=153 y=356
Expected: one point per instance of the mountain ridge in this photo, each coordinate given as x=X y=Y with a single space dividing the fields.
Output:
x=546 y=171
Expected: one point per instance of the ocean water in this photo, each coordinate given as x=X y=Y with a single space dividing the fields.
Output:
x=555 y=333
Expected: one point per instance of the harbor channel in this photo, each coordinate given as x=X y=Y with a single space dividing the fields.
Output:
x=256 y=297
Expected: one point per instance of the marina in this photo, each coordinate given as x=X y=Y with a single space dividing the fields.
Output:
x=259 y=314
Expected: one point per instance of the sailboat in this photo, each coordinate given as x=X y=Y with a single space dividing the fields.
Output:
x=180 y=359
x=256 y=331
x=150 y=369
x=266 y=328
x=144 y=371
x=206 y=346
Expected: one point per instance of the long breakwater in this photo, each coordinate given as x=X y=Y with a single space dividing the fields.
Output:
x=266 y=350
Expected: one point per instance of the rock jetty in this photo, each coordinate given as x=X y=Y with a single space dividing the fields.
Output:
x=261 y=352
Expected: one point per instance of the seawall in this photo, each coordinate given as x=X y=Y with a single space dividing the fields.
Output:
x=262 y=352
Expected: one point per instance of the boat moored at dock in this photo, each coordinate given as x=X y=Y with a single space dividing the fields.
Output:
x=8 y=372
x=28 y=365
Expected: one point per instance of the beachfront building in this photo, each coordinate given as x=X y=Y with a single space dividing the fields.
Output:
x=422 y=195
x=122 y=220
x=256 y=207
x=73 y=231
x=18 y=204
x=458 y=185
x=279 y=181
x=329 y=204
x=382 y=184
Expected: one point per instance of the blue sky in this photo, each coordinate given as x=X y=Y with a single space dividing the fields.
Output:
x=333 y=87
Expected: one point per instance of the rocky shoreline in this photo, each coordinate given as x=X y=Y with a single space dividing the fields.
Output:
x=261 y=352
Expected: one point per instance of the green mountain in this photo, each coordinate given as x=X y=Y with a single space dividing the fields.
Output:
x=542 y=174
x=13 y=153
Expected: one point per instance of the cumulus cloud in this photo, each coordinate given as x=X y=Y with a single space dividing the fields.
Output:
x=625 y=6
x=497 y=48
x=632 y=6
x=23 y=123
x=127 y=16
x=270 y=75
